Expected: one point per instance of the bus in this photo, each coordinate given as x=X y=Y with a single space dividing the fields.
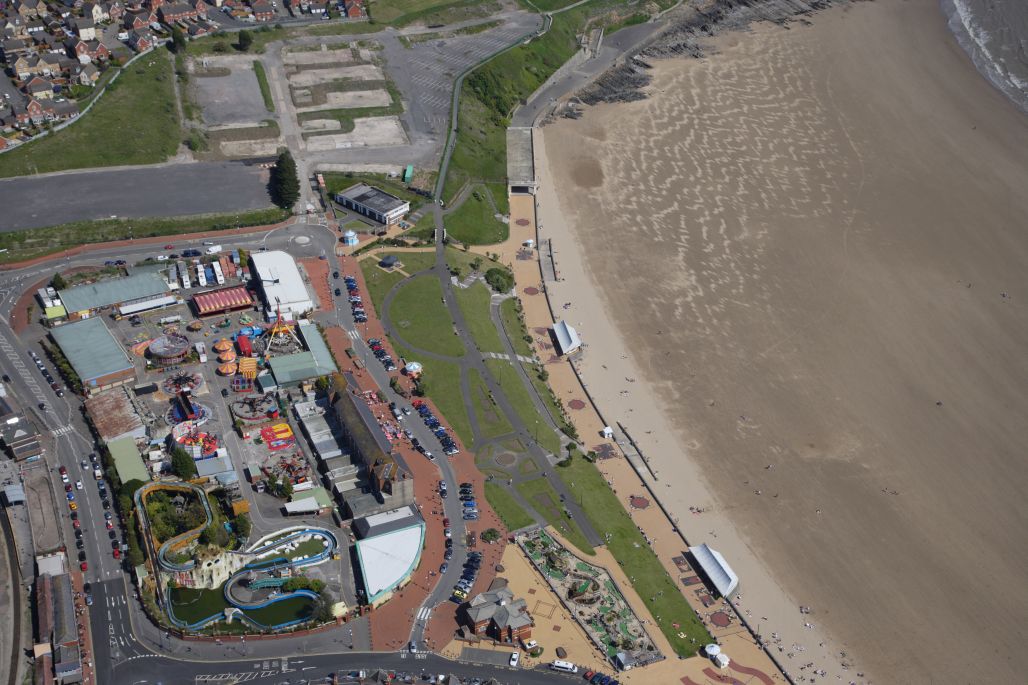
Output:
x=218 y=275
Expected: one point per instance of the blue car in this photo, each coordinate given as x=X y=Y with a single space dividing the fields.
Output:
x=71 y=496
x=470 y=504
x=443 y=566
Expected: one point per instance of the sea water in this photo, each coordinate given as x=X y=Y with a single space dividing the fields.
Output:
x=994 y=33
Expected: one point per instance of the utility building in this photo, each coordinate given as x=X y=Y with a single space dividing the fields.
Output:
x=99 y=360
x=373 y=203
x=281 y=286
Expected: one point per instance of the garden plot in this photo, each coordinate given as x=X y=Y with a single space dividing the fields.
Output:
x=368 y=132
x=351 y=99
x=311 y=77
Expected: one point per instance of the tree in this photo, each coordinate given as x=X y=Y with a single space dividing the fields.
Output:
x=285 y=184
x=242 y=524
x=182 y=464
x=500 y=280
x=245 y=40
x=178 y=40
x=323 y=607
x=58 y=282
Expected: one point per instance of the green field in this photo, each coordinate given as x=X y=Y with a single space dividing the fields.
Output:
x=262 y=81
x=420 y=317
x=544 y=499
x=442 y=379
x=379 y=282
x=474 y=303
x=517 y=394
x=475 y=222
x=491 y=420
x=658 y=590
x=41 y=241
x=506 y=507
x=424 y=229
x=135 y=122
x=414 y=262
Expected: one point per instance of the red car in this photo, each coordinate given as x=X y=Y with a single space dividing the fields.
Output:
x=63 y=471
x=117 y=554
x=84 y=566
x=76 y=524
x=169 y=247
x=110 y=526
x=67 y=487
x=446 y=523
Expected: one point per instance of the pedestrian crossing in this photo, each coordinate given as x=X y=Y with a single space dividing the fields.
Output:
x=354 y=335
x=424 y=613
x=63 y=430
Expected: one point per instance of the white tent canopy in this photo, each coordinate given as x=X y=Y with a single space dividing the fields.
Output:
x=567 y=337
x=716 y=568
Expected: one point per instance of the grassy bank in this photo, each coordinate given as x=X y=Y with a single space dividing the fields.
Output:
x=135 y=122
x=262 y=81
x=491 y=421
x=657 y=589
x=516 y=392
x=35 y=242
x=475 y=222
x=544 y=499
x=474 y=304
x=507 y=507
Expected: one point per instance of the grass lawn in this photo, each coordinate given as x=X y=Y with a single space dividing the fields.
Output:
x=465 y=261
x=491 y=421
x=506 y=507
x=413 y=262
x=420 y=317
x=474 y=303
x=515 y=329
x=135 y=122
x=40 y=241
x=500 y=197
x=442 y=380
x=657 y=589
x=544 y=499
x=192 y=605
x=518 y=396
x=481 y=149
x=475 y=222
x=424 y=229
x=262 y=81
x=379 y=282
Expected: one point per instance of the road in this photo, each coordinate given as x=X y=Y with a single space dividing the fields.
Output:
x=160 y=190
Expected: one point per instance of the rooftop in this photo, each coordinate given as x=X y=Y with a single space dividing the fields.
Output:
x=520 y=163
x=387 y=560
x=209 y=467
x=127 y=460
x=91 y=349
x=105 y=293
x=385 y=522
x=113 y=415
x=280 y=280
x=716 y=568
x=567 y=337
x=215 y=301
x=293 y=368
x=373 y=198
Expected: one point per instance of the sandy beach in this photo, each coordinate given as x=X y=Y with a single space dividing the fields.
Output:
x=798 y=267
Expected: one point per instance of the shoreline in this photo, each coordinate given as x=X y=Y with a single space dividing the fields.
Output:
x=594 y=313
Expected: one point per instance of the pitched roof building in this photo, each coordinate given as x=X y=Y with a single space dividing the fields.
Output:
x=497 y=614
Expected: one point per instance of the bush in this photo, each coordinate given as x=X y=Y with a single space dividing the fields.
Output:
x=499 y=279
x=244 y=41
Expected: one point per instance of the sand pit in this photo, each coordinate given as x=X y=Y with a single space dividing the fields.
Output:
x=352 y=99
x=250 y=148
x=360 y=72
x=369 y=132
x=319 y=57
x=818 y=268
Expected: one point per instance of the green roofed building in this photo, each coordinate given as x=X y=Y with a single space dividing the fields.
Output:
x=98 y=359
x=83 y=300
x=127 y=460
x=293 y=369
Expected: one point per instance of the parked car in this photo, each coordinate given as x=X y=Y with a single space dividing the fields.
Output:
x=514 y=659
x=338 y=292
x=443 y=567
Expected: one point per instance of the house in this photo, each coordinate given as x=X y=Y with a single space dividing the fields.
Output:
x=35 y=26
x=318 y=6
x=30 y=8
x=86 y=75
x=498 y=615
x=85 y=28
x=353 y=9
x=169 y=14
x=262 y=11
x=12 y=48
x=39 y=88
x=115 y=11
x=138 y=20
x=200 y=6
x=88 y=51
x=95 y=11
x=141 y=41
x=25 y=67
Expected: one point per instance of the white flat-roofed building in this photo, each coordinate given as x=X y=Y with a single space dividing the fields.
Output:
x=373 y=203
x=281 y=285
x=387 y=561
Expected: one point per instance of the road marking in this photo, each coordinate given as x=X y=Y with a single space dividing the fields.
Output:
x=424 y=613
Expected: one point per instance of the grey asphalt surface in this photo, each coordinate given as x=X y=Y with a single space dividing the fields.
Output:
x=166 y=190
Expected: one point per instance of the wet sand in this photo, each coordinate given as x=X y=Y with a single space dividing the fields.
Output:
x=811 y=248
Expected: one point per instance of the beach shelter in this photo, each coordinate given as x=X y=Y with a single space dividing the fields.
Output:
x=350 y=238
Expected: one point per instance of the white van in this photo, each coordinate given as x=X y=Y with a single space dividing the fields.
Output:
x=564 y=667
